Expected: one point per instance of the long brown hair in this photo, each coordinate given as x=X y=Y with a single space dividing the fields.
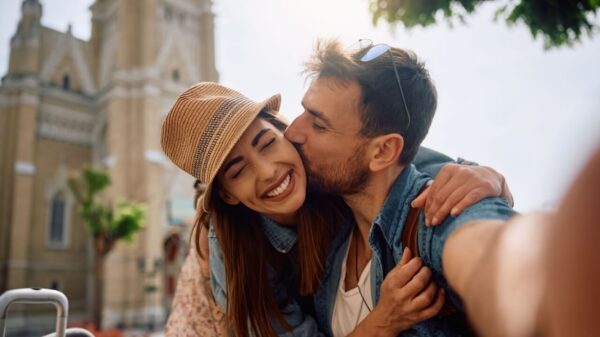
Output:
x=250 y=302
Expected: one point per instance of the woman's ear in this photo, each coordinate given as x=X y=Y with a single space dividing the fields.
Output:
x=228 y=198
x=385 y=151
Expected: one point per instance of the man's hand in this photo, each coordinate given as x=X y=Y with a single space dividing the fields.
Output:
x=457 y=187
x=408 y=296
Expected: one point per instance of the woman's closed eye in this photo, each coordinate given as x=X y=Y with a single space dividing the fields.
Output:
x=238 y=172
x=267 y=144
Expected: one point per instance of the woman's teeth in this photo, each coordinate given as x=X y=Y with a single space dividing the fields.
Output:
x=284 y=185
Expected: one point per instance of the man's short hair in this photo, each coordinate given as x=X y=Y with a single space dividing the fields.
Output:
x=382 y=109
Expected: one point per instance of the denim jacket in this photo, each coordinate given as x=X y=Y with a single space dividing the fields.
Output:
x=283 y=240
x=385 y=241
x=293 y=306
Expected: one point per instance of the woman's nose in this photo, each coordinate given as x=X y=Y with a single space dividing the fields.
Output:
x=266 y=170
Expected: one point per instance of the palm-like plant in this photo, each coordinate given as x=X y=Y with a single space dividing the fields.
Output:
x=106 y=223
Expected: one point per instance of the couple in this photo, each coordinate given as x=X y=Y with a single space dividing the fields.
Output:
x=326 y=231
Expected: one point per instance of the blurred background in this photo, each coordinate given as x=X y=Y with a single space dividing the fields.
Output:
x=89 y=82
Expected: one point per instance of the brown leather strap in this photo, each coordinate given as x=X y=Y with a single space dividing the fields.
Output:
x=410 y=232
x=410 y=239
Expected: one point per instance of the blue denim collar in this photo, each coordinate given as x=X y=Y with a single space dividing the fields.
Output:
x=282 y=238
x=392 y=215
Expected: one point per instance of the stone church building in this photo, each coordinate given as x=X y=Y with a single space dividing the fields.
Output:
x=66 y=103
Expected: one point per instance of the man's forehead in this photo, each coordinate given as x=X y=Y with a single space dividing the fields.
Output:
x=332 y=97
x=333 y=84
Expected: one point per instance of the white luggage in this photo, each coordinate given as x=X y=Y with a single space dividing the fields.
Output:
x=38 y=296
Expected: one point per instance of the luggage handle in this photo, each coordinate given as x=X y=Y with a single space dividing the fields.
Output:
x=36 y=296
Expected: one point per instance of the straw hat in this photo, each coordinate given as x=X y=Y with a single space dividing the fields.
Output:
x=204 y=125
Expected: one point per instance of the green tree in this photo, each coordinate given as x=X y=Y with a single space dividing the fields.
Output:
x=559 y=22
x=106 y=224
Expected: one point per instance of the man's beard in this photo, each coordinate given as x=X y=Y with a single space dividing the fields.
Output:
x=339 y=178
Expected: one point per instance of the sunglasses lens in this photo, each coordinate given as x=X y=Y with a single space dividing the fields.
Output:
x=375 y=52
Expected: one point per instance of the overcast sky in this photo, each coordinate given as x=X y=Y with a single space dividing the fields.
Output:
x=504 y=101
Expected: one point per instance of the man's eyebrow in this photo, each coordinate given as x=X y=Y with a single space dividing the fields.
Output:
x=231 y=163
x=317 y=114
x=258 y=135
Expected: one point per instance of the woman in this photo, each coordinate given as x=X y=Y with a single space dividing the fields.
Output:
x=256 y=191
x=215 y=118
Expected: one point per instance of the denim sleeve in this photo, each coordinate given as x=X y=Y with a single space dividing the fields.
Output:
x=433 y=242
x=302 y=325
x=493 y=208
x=430 y=161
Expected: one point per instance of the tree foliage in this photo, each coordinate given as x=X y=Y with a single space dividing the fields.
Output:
x=107 y=224
x=558 y=22
x=100 y=218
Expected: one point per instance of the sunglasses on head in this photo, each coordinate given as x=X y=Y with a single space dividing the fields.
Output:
x=375 y=51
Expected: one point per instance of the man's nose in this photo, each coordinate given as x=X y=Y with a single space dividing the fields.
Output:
x=295 y=132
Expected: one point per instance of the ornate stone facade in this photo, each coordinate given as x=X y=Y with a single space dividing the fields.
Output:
x=66 y=103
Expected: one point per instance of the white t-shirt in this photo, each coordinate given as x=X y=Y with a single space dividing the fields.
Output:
x=350 y=309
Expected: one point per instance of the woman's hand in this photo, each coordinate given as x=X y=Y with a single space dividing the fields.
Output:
x=457 y=187
x=408 y=296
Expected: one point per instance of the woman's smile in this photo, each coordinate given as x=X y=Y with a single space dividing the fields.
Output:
x=282 y=188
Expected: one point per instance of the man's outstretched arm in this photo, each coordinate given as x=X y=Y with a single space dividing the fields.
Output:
x=536 y=274
x=496 y=268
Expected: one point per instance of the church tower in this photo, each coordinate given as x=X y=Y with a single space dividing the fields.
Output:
x=18 y=118
x=66 y=103
x=147 y=53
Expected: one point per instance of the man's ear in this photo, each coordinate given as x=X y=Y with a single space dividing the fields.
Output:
x=228 y=198
x=385 y=150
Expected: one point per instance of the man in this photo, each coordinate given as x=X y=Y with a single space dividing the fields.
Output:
x=365 y=116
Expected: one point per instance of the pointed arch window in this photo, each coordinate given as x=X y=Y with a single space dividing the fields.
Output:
x=66 y=83
x=57 y=219
x=168 y=13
